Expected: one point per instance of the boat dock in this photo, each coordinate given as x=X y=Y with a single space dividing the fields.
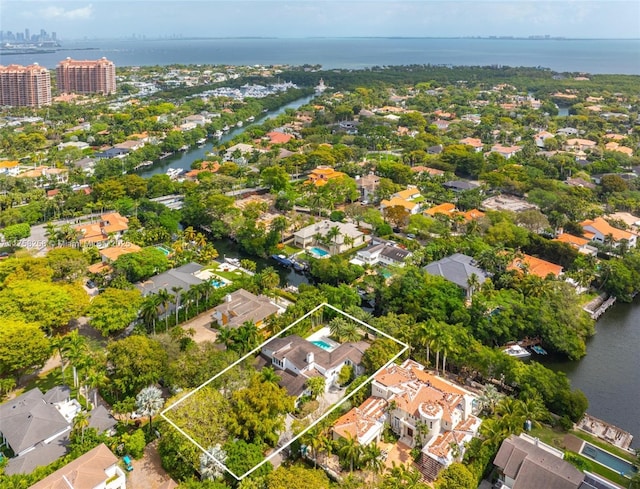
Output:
x=605 y=431
x=599 y=305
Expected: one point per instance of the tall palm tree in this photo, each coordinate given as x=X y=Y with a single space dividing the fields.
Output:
x=96 y=378
x=149 y=311
x=373 y=458
x=351 y=451
x=81 y=422
x=149 y=402
x=75 y=349
x=164 y=298
x=176 y=300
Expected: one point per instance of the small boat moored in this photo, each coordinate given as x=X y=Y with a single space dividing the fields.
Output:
x=517 y=351
x=282 y=260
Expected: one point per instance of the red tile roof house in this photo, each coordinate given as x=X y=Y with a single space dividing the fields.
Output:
x=506 y=151
x=601 y=231
x=416 y=396
x=276 y=137
x=475 y=143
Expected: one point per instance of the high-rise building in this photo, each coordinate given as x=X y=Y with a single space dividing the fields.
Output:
x=25 y=86
x=97 y=76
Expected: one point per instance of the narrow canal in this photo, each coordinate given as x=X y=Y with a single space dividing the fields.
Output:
x=610 y=373
x=184 y=159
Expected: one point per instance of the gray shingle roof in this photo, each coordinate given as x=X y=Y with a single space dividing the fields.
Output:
x=295 y=349
x=182 y=277
x=533 y=468
x=29 y=419
x=41 y=456
x=457 y=268
x=101 y=420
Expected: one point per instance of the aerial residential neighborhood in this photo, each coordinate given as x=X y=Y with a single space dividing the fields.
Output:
x=276 y=276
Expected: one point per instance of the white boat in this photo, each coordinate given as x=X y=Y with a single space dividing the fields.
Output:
x=239 y=124
x=184 y=148
x=517 y=351
x=232 y=261
x=251 y=118
x=218 y=134
x=173 y=173
x=225 y=128
x=201 y=141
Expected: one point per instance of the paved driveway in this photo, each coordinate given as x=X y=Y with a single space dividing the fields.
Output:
x=148 y=472
x=200 y=325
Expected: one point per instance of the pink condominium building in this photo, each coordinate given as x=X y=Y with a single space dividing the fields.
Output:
x=25 y=86
x=98 y=76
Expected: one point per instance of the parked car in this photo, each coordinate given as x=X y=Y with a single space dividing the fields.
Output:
x=127 y=463
x=91 y=284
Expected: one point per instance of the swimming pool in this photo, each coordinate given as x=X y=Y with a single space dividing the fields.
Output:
x=319 y=252
x=608 y=460
x=163 y=249
x=217 y=283
x=322 y=344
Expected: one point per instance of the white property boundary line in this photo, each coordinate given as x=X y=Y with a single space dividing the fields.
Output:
x=404 y=346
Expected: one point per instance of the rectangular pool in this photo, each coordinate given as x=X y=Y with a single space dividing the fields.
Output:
x=607 y=459
x=163 y=249
x=319 y=252
x=322 y=344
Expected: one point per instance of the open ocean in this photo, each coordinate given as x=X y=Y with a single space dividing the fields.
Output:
x=589 y=56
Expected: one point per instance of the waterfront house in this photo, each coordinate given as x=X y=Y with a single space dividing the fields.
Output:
x=36 y=427
x=241 y=306
x=535 y=266
x=239 y=153
x=382 y=251
x=410 y=398
x=96 y=469
x=181 y=279
x=459 y=269
x=348 y=236
x=524 y=462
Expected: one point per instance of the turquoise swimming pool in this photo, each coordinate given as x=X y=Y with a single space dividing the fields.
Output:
x=607 y=459
x=319 y=252
x=163 y=249
x=217 y=283
x=322 y=344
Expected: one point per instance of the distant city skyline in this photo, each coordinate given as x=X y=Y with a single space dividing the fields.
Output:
x=107 y=19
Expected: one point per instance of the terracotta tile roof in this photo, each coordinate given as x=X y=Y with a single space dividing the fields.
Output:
x=426 y=169
x=446 y=208
x=407 y=193
x=572 y=240
x=396 y=201
x=473 y=214
x=322 y=174
x=8 y=164
x=114 y=252
x=279 y=137
x=360 y=421
x=535 y=266
x=604 y=228
x=86 y=472
x=475 y=142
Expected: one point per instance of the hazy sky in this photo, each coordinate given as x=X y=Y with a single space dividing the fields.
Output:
x=73 y=19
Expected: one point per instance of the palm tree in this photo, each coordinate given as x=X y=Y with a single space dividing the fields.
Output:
x=226 y=337
x=164 y=299
x=207 y=287
x=350 y=451
x=326 y=445
x=149 y=402
x=473 y=283
x=373 y=458
x=96 y=378
x=268 y=374
x=189 y=234
x=489 y=398
x=149 y=311
x=75 y=349
x=402 y=477
x=333 y=233
x=81 y=422
x=176 y=300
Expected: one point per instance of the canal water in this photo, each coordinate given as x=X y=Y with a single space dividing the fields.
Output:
x=610 y=373
x=230 y=249
x=184 y=159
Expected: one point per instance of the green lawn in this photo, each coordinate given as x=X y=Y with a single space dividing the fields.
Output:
x=604 y=445
x=48 y=380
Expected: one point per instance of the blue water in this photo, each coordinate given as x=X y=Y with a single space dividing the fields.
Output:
x=592 y=56
x=605 y=458
x=217 y=284
x=322 y=344
x=163 y=249
x=319 y=252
